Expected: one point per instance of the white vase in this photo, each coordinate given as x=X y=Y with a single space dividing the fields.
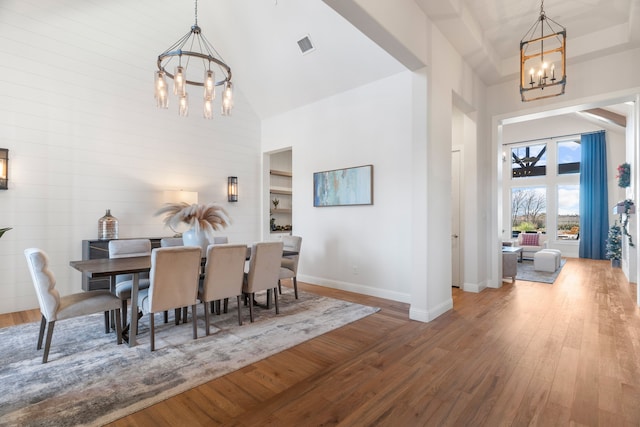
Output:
x=193 y=238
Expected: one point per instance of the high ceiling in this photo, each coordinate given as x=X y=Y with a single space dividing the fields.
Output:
x=259 y=40
x=487 y=32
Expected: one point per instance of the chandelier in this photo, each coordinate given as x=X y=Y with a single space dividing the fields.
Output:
x=193 y=53
x=543 y=59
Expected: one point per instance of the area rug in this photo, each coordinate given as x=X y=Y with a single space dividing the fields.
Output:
x=89 y=380
x=526 y=272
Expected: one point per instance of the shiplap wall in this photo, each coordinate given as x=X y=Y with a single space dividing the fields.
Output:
x=78 y=116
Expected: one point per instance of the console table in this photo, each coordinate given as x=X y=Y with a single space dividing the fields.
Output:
x=97 y=249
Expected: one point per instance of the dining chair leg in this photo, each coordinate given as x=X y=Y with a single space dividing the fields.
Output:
x=295 y=286
x=206 y=318
x=166 y=316
x=176 y=315
x=268 y=299
x=279 y=287
x=152 y=332
x=118 y=327
x=217 y=305
x=251 y=307
x=184 y=314
x=194 y=320
x=107 y=320
x=212 y=307
x=239 y=313
x=43 y=324
x=226 y=305
x=47 y=343
x=124 y=312
x=275 y=300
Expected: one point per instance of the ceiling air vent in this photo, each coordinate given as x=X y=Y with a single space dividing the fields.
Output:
x=305 y=45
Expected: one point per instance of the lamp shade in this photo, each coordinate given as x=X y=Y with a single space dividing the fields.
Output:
x=179 y=196
x=232 y=188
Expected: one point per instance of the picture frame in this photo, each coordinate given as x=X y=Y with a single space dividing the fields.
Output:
x=343 y=187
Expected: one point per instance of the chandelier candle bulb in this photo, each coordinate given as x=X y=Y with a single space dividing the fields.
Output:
x=209 y=85
x=178 y=81
x=208 y=109
x=183 y=109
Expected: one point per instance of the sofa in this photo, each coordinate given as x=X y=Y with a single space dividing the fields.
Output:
x=531 y=243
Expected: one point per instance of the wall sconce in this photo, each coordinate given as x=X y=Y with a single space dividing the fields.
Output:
x=232 y=188
x=4 y=168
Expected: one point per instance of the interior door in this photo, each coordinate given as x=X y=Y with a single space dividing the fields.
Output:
x=456 y=276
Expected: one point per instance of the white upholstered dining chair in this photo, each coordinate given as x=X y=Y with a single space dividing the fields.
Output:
x=171 y=241
x=53 y=307
x=289 y=264
x=223 y=277
x=264 y=271
x=121 y=285
x=173 y=283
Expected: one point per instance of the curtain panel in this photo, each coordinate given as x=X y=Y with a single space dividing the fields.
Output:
x=594 y=197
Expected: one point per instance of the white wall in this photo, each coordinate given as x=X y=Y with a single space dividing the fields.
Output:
x=359 y=248
x=78 y=116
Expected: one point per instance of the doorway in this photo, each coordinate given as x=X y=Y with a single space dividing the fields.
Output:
x=456 y=276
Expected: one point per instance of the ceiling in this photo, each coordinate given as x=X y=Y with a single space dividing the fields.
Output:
x=487 y=33
x=258 y=39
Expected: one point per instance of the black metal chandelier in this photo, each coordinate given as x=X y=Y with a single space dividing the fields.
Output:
x=193 y=53
x=543 y=59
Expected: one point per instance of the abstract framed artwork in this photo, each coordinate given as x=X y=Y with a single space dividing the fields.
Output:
x=343 y=187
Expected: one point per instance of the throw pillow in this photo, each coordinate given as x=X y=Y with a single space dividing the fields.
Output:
x=530 y=239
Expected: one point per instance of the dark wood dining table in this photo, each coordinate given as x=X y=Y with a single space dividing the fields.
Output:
x=107 y=267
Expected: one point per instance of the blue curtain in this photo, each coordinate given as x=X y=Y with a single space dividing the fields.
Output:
x=594 y=200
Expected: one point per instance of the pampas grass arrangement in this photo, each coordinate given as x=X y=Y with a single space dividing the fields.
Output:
x=209 y=217
x=4 y=230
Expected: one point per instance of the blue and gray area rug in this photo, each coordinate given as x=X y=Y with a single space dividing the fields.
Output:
x=526 y=272
x=89 y=380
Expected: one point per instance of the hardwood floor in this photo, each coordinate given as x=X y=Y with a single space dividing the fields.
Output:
x=526 y=354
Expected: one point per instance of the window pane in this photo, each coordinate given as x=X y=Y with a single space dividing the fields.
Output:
x=528 y=209
x=529 y=161
x=568 y=157
x=568 y=212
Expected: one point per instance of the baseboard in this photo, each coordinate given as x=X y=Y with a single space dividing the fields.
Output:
x=474 y=287
x=429 y=315
x=357 y=288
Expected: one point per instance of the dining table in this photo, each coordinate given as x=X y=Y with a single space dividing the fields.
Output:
x=110 y=267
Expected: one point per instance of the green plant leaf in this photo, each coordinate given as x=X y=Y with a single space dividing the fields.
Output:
x=4 y=230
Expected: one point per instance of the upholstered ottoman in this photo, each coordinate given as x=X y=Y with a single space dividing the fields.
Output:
x=545 y=260
x=558 y=255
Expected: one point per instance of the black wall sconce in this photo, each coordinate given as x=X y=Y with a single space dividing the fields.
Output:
x=4 y=168
x=232 y=188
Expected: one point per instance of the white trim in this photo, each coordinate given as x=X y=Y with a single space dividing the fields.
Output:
x=473 y=287
x=357 y=288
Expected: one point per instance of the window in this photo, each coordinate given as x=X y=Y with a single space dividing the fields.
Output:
x=528 y=209
x=530 y=160
x=544 y=198
x=568 y=157
x=568 y=219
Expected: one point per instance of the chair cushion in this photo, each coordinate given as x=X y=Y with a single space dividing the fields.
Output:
x=123 y=289
x=84 y=303
x=285 y=273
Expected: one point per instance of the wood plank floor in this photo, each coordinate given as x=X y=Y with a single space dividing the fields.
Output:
x=526 y=354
